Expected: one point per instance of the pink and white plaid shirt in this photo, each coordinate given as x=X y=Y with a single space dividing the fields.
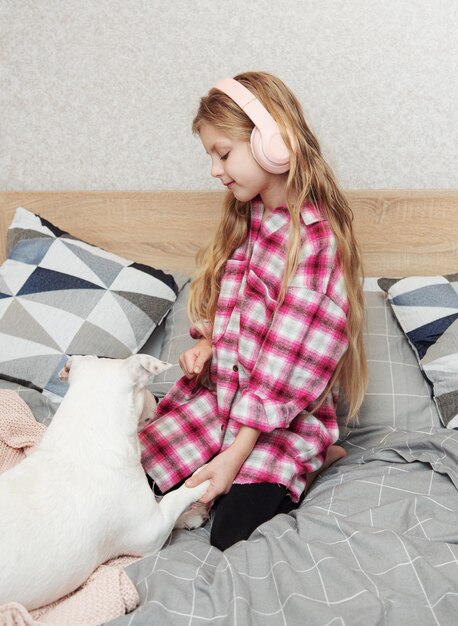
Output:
x=267 y=367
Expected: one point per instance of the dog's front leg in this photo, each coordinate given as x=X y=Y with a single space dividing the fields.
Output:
x=175 y=502
x=160 y=518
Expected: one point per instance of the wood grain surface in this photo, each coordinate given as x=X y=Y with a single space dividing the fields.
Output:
x=401 y=231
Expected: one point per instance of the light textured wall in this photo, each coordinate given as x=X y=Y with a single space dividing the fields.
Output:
x=100 y=94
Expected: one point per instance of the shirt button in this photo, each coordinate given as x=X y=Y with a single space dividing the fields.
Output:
x=235 y=368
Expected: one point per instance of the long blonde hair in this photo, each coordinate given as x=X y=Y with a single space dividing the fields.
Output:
x=309 y=179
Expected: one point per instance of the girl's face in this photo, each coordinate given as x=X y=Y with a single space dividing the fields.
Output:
x=233 y=163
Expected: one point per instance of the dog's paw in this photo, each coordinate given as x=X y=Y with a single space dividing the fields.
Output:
x=194 y=517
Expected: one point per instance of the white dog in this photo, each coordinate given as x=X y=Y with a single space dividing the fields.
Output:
x=82 y=497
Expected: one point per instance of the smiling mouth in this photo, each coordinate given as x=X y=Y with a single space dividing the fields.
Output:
x=229 y=185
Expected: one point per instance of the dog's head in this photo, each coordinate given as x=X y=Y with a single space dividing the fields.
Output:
x=140 y=367
x=130 y=375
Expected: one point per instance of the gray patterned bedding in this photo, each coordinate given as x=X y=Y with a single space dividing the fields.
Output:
x=374 y=542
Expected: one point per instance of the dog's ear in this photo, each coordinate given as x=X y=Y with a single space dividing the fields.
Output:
x=143 y=365
x=63 y=374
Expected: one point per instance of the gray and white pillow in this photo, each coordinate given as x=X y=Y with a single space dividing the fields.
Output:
x=398 y=396
x=426 y=308
x=61 y=296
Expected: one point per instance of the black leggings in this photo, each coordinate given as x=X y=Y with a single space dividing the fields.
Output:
x=245 y=507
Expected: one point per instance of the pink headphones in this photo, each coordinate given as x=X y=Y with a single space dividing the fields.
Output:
x=267 y=144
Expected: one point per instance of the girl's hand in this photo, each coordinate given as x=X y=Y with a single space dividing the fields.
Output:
x=193 y=360
x=221 y=471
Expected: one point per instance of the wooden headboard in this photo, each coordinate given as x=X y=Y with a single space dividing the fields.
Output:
x=401 y=231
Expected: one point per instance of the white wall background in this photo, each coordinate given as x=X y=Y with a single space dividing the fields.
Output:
x=100 y=94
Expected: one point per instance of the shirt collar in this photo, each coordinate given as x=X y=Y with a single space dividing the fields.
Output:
x=309 y=213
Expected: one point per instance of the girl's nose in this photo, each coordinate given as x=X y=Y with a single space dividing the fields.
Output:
x=217 y=169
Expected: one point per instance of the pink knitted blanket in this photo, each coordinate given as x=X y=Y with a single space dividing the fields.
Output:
x=108 y=592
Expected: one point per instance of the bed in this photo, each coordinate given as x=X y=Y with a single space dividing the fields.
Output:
x=375 y=540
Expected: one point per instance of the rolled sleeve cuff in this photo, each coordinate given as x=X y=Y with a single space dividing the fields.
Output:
x=197 y=331
x=195 y=334
x=264 y=415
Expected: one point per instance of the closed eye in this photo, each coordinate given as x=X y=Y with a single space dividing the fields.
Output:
x=224 y=157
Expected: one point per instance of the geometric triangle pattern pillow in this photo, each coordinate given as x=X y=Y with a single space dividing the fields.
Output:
x=426 y=308
x=61 y=296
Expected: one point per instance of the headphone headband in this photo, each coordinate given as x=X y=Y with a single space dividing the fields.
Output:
x=267 y=144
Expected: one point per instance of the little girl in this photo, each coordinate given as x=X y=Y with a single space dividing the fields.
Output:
x=277 y=311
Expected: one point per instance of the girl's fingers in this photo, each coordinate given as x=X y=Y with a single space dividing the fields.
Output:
x=197 y=479
x=198 y=364
x=208 y=496
x=187 y=364
x=192 y=361
x=183 y=366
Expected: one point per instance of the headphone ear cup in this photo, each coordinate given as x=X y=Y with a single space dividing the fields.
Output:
x=260 y=157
